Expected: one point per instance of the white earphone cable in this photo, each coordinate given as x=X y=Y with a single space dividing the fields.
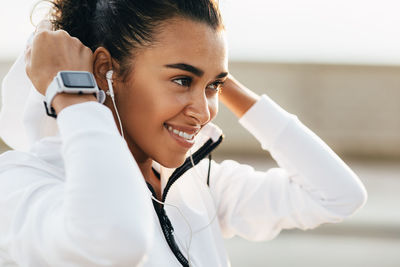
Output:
x=209 y=191
x=110 y=92
x=119 y=119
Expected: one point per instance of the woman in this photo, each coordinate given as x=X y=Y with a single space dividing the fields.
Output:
x=128 y=183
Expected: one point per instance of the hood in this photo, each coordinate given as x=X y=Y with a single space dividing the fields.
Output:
x=209 y=137
x=23 y=120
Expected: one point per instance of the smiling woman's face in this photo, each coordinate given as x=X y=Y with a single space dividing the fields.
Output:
x=172 y=91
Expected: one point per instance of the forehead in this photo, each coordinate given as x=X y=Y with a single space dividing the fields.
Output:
x=195 y=43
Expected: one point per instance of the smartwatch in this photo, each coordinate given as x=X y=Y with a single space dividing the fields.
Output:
x=71 y=82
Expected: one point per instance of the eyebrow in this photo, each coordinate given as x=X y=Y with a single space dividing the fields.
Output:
x=196 y=71
x=222 y=75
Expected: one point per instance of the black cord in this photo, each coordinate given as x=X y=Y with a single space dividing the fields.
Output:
x=209 y=169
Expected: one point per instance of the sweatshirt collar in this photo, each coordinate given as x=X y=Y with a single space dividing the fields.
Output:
x=209 y=137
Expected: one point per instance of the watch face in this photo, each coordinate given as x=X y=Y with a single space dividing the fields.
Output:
x=77 y=79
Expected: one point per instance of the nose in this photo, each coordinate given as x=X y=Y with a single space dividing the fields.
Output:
x=198 y=107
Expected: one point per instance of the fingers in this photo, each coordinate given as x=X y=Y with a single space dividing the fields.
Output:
x=52 y=51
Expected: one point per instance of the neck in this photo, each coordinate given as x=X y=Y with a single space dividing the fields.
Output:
x=150 y=177
x=144 y=161
x=145 y=164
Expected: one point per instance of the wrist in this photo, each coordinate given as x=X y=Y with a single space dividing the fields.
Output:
x=237 y=97
x=70 y=87
x=63 y=100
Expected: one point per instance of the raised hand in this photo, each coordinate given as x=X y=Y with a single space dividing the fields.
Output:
x=237 y=97
x=53 y=51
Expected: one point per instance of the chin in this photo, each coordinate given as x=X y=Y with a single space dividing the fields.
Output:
x=172 y=162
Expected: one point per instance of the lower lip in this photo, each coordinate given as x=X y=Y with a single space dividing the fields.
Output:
x=180 y=140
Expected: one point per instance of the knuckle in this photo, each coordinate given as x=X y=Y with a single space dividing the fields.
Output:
x=87 y=50
x=76 y=41
x=62 y=32
x=41 y=35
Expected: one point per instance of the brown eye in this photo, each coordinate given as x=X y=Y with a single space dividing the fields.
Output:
x=216 y=86
x=186 y=82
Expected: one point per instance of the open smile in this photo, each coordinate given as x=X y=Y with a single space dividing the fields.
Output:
x=184 y=136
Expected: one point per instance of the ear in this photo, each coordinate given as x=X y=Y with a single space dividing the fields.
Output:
x=102 y=62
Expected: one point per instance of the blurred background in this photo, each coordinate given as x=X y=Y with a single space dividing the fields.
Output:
x=336 y=65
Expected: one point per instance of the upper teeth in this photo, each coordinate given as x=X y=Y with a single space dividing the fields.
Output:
x=180 y=133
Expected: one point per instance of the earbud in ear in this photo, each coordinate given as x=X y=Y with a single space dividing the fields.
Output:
x=110 y=91
x=109 y=74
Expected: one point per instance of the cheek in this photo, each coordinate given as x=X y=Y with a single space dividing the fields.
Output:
x=152 y=107
x=213 y=107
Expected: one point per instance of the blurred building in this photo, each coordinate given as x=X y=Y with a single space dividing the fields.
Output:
x=355 y=109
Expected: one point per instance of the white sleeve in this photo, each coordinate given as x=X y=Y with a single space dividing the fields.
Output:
x=311 y=186
x=99 y=216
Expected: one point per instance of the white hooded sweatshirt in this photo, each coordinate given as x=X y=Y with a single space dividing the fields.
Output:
x=72 y=193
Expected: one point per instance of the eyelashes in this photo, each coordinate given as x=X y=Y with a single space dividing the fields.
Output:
x=187 y=82
x=217 y=85
x=183 y=81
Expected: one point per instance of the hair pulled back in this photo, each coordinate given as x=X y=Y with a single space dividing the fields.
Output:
x=123 y=26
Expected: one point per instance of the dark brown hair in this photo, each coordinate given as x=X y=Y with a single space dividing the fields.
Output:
x=122 y=26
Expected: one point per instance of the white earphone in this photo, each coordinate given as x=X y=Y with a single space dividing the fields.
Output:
x=109 y=75
x=110 y=92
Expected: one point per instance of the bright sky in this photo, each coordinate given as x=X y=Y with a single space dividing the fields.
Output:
x=314 y=31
